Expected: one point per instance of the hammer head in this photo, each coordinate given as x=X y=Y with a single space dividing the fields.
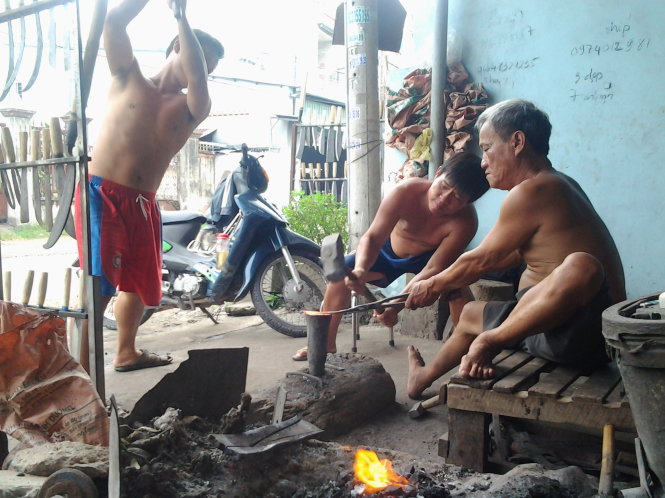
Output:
x=332 y=257
x=417 y=410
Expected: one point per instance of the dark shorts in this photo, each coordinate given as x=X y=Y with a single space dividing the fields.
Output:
x=391 y=265
x=578 y=341
x=125 y=239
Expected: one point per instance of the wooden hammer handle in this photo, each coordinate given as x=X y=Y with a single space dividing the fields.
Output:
x=365 y=293
x=431 y=402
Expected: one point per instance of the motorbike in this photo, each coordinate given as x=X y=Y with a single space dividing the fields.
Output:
x=279 y=268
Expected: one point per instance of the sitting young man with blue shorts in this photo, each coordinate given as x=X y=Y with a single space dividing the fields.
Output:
x=421 y=227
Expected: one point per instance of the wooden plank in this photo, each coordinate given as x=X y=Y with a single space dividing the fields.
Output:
x=555 y=382
x=508 y=365
x=523 y=405
x=598 y=386
x=443 y=445
x=444 y=386
x=523 y=377
x=618 y=396
x=468 y=439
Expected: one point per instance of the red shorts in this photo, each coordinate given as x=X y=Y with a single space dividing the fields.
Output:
x=125 y=239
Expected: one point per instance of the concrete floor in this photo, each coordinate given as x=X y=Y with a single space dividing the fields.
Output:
x=270 y=358
x=177 y=332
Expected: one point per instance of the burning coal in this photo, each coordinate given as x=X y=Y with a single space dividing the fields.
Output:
x=374 y=473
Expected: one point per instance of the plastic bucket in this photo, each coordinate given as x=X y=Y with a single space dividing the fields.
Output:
x=638 y=346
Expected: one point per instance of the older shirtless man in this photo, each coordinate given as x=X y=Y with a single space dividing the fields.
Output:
x=148 y=120
x=420 y=227
x=573 y=269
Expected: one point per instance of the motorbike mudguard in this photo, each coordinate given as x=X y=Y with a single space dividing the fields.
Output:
x=282 y=237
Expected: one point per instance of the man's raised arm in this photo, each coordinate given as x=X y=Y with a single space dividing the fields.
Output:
x=116 y=41
x=193 y=64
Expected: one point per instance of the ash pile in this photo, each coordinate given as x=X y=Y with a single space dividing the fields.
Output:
x=279 y=444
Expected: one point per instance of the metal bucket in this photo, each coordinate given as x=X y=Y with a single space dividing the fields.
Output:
x=638 y=346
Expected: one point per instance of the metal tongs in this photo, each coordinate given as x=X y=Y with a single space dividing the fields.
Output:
x=380 y=304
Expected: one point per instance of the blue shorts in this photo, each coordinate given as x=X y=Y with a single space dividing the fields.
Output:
x=391 y=265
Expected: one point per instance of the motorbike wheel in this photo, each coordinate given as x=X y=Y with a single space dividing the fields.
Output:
x=109 y=316
x=278 y=302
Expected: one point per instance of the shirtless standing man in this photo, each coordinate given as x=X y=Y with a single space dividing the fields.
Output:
x=573 y=269
x=420 y=227
x=148 y=120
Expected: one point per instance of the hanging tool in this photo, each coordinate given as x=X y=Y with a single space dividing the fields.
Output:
x=14 y=63
x=65 y=196
x=41 y=289
x=40 y=49
x=35 y=155
x=22 y=174
x=27 y=287
x=9 y=157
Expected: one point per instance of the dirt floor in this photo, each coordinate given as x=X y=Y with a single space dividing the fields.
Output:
x=305 y=469
x=176 y=331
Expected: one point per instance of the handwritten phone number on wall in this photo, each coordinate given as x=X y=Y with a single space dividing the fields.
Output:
x=618 y=46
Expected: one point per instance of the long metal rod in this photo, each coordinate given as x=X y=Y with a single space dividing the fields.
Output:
x=439 y=75
x=41 y=162
x=26 y=10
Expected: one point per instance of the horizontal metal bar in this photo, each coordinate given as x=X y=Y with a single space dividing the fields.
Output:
x=59 y=312
x=43 y=162
x=32 y=8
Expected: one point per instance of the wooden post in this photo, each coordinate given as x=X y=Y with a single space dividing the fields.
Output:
x=364 y=138
x=468 y=438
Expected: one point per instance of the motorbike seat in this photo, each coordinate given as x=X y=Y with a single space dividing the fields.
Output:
x=175 y=217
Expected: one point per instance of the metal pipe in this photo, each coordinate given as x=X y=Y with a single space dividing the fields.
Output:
x=317 y=341
x=439 y=76
x=29 y=9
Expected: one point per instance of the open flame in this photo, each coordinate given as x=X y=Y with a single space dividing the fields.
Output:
x=374 y=473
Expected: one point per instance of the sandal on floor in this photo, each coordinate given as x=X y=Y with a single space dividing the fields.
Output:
x=301 y=354
x=146 y=360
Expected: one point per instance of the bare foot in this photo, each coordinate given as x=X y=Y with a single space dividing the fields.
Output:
x=477 y=363
x=415 y=384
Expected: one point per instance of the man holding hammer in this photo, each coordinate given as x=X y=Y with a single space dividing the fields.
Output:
x=148 y=120
x=421 y=227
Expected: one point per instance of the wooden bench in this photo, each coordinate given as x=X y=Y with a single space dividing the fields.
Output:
x=526 y=387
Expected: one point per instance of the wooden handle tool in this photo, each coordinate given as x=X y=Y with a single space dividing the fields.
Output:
x=41 y=290
x=27 y=287
x=7 y=285
x=67 y=289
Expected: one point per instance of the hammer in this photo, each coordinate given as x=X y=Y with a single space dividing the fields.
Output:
x=332 y=257
x=419 y=409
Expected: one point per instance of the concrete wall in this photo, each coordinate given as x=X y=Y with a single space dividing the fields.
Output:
x=594 y=67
